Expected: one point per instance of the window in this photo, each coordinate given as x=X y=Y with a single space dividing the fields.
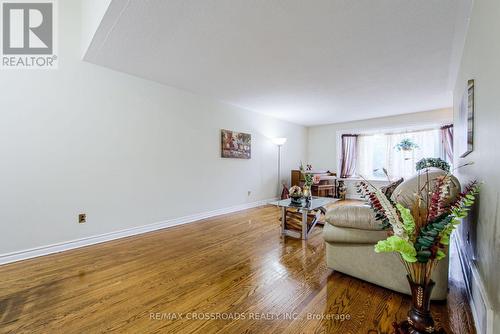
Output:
x=378 y=151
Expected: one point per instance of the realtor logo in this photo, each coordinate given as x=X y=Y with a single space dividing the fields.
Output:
x=28 y=32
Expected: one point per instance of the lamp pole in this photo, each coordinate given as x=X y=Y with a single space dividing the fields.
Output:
x=279 y=171
x=279 y=142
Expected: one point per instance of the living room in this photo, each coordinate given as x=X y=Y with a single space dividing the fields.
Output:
x=149 y=150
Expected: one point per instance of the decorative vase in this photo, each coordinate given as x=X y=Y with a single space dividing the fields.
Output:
x=419 y=319
x=296 y=200
x=341 y=189
x=307 y=193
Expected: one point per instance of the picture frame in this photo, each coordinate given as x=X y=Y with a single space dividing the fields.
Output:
x=465 y=139
x=236 y=145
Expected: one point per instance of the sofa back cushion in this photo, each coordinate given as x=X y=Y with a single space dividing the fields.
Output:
x=405 y=192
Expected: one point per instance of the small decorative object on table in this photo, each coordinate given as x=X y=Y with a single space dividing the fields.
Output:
x=285 y=193
x=420 y=235
x=433 y=162
x=295 y=194
x=342 y=190
x=307 y=193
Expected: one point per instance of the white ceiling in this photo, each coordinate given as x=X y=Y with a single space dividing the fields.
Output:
x=308 y=62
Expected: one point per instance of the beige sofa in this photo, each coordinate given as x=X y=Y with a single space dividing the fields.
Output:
x=351 y=233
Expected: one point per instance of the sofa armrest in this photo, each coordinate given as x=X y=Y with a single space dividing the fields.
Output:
x=353 y=216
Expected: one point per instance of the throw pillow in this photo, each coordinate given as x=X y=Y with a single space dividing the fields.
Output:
x=389 y=189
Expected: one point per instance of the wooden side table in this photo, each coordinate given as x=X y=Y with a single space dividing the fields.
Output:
x=308 y=211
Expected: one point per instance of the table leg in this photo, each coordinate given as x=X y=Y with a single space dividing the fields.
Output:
x=283 y=219
x=304 y=224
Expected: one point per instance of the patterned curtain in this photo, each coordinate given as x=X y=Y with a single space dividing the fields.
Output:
x=348 y=158
x=447 y=141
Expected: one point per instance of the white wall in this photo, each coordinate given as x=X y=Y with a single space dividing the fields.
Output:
x=323 y=143
x=481 y=61
x=92 y=13
x=126 y=151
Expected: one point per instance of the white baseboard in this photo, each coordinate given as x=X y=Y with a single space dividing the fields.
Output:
x=92 y=240
x=482 y=311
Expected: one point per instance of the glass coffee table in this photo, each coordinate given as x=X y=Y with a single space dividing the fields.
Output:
x=304 y=208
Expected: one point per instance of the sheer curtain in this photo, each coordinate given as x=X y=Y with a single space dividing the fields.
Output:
x=402 y=163
x=376 y=152
x=371 y=156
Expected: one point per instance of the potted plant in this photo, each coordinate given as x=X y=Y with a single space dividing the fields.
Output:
x=433 y=162
x=309 y=180
x=420 y=235
x=406 y=144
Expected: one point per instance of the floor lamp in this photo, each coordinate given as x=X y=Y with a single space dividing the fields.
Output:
x=280 y=142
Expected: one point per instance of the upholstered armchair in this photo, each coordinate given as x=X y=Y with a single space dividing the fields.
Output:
x=351 y=233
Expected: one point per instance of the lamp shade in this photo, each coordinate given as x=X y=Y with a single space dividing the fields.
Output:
x=279 y=141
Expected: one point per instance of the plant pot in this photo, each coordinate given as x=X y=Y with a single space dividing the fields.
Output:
x=296 y=200
x=419 y=319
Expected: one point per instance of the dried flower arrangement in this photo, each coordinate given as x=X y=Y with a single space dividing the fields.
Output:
x=420 y=234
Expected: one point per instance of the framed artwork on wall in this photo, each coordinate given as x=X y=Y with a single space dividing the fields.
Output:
x=466 y=121
x=237 y=145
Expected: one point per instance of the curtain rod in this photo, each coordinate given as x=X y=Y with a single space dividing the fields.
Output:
x=402 y=132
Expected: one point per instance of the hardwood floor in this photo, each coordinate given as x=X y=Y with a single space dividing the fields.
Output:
x=232 y=266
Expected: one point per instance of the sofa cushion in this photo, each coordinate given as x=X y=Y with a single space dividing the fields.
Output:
x=405 y=192
x=383 y=269
x=353 y=216
x=335 y=234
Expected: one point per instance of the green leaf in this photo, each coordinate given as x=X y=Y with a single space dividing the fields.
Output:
x=432 y=233
x=445 y=235
x=440 y=255
x=408 y=221
x=423 y=256
x=397 y=244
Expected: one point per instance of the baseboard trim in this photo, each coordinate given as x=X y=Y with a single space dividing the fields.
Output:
x=482 y=311
x=92 y=240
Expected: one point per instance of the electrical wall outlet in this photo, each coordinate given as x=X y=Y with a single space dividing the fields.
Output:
x=82 y=218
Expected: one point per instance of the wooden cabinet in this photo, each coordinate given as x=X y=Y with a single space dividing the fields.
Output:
x=296 y=178
x=325 y=187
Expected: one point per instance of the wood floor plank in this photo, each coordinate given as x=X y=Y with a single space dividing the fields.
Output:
x=235 y=266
